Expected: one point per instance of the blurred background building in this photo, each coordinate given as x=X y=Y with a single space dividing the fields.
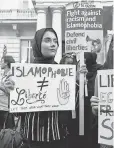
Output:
x=19 y=19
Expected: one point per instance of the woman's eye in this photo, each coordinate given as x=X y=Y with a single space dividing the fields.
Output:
x=47 y=40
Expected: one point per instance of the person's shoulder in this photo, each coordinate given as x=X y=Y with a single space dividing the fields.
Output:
x=9 y=74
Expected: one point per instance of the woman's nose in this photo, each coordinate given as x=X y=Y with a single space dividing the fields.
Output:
x=52 y=43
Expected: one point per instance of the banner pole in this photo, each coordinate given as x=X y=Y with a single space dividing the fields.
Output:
x=81 y=97
x=81 y=91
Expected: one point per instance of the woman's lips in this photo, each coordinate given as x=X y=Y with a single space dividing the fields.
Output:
x=53 y=50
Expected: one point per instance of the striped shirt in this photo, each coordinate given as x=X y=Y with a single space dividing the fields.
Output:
x=44 y=126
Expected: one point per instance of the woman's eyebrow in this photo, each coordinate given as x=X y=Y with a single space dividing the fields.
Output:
x=50 y=38
x=47 y=38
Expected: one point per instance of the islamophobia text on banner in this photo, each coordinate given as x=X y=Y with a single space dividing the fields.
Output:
x=43 y=87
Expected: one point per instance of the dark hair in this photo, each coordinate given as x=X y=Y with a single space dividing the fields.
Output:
x=109 y=60
x=69 y=55
x=8 y=60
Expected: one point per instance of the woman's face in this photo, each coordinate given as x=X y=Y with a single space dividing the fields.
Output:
x=49 y=45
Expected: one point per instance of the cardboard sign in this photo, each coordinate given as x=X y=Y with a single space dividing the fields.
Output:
x=106 y=108
x=84 y=27
x=43 y=87
x=83 y=33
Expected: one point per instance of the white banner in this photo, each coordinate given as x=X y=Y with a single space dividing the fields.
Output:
x=106 y=109
x=43 y=87
x=84 y=28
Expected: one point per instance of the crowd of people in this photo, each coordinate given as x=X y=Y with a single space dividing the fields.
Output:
x=65 y=133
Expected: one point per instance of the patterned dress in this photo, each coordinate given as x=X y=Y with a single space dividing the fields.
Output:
x=44 y=126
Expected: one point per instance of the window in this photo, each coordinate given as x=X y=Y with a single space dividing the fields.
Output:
x=26 y=51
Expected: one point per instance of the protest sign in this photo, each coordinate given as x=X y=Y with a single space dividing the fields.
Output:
x=83 y=33
x=84 y=27
x=106 y=109
x=43 y=87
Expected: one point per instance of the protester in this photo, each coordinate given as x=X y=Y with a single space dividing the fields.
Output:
x=6 y=85
x=107 y=65
x=48 y=128
x=91 y=70
x=70 y=58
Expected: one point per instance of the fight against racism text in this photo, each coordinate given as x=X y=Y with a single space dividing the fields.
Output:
x=76 y=18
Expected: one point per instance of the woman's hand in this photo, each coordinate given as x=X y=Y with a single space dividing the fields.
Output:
x=83 y=69
x=9 y=85
x=94 y=104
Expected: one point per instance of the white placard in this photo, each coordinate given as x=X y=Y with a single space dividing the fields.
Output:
x=106 y=109
x=43 y=87
x=84 y=28
x=83 y=33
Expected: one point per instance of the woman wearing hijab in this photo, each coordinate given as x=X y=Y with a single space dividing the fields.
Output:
x=107 y=65
x=45 y=129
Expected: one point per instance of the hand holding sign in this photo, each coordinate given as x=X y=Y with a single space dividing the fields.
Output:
x=94 y=104
x=9 y=84
x=63 y=92
x=83 y=69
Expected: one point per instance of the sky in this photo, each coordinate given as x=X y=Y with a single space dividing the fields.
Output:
x=13 y=4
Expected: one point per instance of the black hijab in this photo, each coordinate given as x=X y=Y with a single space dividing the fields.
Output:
x=36 y=46
x=109 y=60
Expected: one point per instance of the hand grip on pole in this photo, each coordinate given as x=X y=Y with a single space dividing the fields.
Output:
x=85 y=85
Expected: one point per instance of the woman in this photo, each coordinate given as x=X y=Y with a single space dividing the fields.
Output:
x=39 y=132
x=90 y=69
x=107 y=65
x=6 y=85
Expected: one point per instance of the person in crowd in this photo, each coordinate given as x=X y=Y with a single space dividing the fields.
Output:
x=70 y=58
x=46 y=128
x=107 y=65
x=6 y=85
x=89 y=69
